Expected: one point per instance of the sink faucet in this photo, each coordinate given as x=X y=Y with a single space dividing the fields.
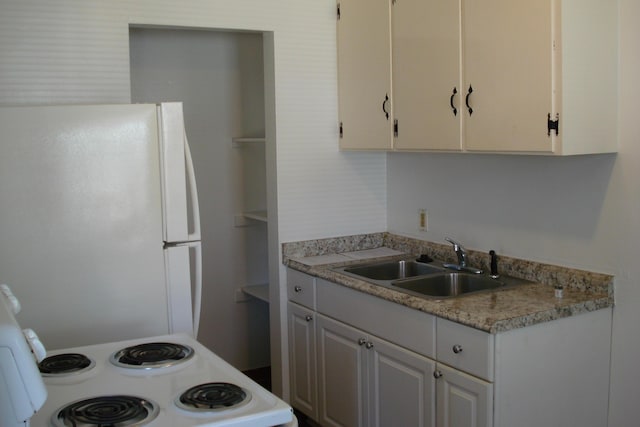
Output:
x=462 y=258
x=460 y=252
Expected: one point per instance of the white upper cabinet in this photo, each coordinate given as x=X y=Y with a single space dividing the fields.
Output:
x=501 y=76
x=426 y=74
x=507 y=75
x=535 y=65
x=364 y=75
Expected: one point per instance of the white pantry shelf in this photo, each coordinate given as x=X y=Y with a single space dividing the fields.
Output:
x=243 y=140
x=246 y=219
x=260 y=292
x=257 y=215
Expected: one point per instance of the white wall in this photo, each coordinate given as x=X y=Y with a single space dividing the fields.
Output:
x=76 y=51
x=582 y=212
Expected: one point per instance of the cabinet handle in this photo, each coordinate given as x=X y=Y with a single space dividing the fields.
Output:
x=362 y=341
x=308 y=318
x=297 y=289
x=466 y=100
x=437 y=374
x=457 y=348
x=453 y=94
x=384 y=106
x=369 y=345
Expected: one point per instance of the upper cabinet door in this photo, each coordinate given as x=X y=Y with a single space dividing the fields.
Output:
x=364 y=75
x=508 y=51
x=426 y=74
x=501 y=76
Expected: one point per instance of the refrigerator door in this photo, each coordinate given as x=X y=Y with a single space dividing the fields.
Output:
x=81 y=221
x=184 y=284
x=180 y=198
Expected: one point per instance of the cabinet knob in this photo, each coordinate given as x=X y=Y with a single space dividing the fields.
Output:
x=437 y=374
x=308 y=318
x=297 y=289
x=457 y=348
x=362 y=341
x=369 y=345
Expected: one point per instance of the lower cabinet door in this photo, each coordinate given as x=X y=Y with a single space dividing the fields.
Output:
x=302 y=360
x=342 y=377
x=463 y=400
x=401 y=386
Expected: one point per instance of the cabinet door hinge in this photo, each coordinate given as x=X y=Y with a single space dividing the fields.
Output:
x=553 y=124
x=338 y=11
x=395 y=128
x=341 y=132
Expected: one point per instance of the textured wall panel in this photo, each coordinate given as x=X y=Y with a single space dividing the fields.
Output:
x=76 y=51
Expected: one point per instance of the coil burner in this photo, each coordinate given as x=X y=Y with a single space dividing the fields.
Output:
x=210 y=397
x=152 y=355
x=112 y=411
x=65 y=364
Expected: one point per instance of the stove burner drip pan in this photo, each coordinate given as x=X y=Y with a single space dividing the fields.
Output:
x=211 y=397
x=65 y=364
x=152 y=355
x=111 y=411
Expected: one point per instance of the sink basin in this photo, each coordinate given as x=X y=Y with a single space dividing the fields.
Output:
x=393 y=270
x=447 y=285
x=426 y=280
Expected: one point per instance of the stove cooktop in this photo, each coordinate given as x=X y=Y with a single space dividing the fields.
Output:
x=163 y=387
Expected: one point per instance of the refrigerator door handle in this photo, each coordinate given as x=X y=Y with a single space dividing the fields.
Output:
x=193 y=192
x=183 y=264
x=197 y=286
x=179 y=193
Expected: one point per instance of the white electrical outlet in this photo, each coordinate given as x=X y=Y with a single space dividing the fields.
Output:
x=423 y=220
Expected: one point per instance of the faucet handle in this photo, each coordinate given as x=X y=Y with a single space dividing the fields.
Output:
x=460 y=252
x=456 y=245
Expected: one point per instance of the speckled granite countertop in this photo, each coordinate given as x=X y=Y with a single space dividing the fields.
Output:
x=495 y=311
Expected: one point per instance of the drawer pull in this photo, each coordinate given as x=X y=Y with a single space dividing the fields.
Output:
x=308 y=318
x=297 y=289
x=437 y=374
x=457 y=349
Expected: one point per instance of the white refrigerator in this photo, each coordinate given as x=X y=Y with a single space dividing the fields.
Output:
x=99 y=225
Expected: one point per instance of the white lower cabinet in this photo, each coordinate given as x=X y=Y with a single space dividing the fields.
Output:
x=366 y=381
x=361 y=361
x=302 y=359
x=342 y=374
x=462 y=400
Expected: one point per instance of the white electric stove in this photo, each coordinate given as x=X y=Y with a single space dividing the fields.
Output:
x=163 y=381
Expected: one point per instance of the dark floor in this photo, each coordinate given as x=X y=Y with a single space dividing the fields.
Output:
x=263 y=377
x=260 y=375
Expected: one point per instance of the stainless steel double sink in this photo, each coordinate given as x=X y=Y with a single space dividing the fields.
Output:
x=427 y=280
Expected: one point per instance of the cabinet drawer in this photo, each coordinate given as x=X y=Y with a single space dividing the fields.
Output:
x=301 y=288
x=404 y=326
x=465 y=348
